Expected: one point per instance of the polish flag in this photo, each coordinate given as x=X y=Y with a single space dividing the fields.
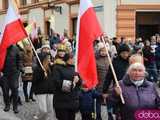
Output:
x=88 y=30
x=13 y=31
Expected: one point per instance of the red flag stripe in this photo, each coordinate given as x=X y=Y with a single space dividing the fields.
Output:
x=2 y=57
x=89 y=30
x=13 y=32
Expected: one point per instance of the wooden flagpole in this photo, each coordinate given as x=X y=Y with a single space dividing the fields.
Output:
x=95 y=109
x=112 y=68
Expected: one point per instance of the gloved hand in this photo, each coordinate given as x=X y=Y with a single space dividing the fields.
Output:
x=22 y=71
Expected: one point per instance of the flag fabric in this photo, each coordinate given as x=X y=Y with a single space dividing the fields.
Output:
x=13 y=31
x=88 y=30
x=29 y=30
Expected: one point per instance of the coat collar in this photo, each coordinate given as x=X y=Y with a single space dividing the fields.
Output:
x=126 y=80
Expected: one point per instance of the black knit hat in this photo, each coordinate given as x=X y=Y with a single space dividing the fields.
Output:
x=123 y=48
x=43 y=56
x=67 y=56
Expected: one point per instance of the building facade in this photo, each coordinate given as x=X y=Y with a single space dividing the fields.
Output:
x=120 y=18
x=138 y=18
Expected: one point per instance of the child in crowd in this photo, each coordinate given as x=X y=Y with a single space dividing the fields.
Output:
x=90 y=104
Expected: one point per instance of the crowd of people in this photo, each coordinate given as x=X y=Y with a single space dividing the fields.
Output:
x=59 y=90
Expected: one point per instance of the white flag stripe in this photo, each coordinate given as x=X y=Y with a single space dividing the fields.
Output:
x=84 y=5
x=11 y=16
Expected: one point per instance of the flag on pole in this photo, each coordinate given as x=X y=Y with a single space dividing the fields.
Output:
x=29 y=30
x=88 y=30
x=13 y=31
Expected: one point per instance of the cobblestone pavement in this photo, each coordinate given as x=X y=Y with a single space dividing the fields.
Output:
x=28 y=110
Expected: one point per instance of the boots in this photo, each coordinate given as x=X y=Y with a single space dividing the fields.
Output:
x=31 y=98
x=31 y=95
x=15 y=109
x=7 y=108
x=26 y=99
x=19 y=101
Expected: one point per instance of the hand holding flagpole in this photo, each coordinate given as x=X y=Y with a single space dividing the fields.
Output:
x=113 y=71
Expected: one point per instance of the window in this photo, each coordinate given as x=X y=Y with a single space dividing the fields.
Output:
x=74 y=25
x=5 y=4
x=23 y=2
x=35 y=1
x=47 y=28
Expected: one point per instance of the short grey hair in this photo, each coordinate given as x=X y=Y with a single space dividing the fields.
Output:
x=136 y=65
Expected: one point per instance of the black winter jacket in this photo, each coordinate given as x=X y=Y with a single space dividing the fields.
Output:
x=65 y=100
x=42 y=84
x=13 y=62
x=120 y=66
x=12 y=66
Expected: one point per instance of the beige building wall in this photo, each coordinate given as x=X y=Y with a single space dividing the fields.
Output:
x=48 y=13
x=110 y=7
x=74 y=9
x=1 y=5
x=29 y=1
x=25 y=17
x=2 y=17
x=42 y=0
x=62 y=20
x=126 y=16
x=37 y=15
x=112 y=15
x=140 y=1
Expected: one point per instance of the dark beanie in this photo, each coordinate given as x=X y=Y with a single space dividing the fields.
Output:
x=67 y=56
x=123 y=47
x=43 y=56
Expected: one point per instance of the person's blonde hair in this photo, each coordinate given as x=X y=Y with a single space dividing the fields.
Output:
x=45 y=64
x=136 y=58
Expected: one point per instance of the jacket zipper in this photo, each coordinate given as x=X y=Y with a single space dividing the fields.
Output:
x=138 y=96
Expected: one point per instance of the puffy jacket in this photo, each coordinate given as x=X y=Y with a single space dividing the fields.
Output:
x=87 y=101
x=27 y=62
x=145 y=96
x=13 y=62
x=12 y=66
x=64 y=100
x=42 y=84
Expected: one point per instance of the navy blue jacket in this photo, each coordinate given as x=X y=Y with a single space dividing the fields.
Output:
x=87 y=101
x=145 y=96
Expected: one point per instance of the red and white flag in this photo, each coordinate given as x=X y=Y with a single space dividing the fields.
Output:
x=88 y=30
x=13 y=31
